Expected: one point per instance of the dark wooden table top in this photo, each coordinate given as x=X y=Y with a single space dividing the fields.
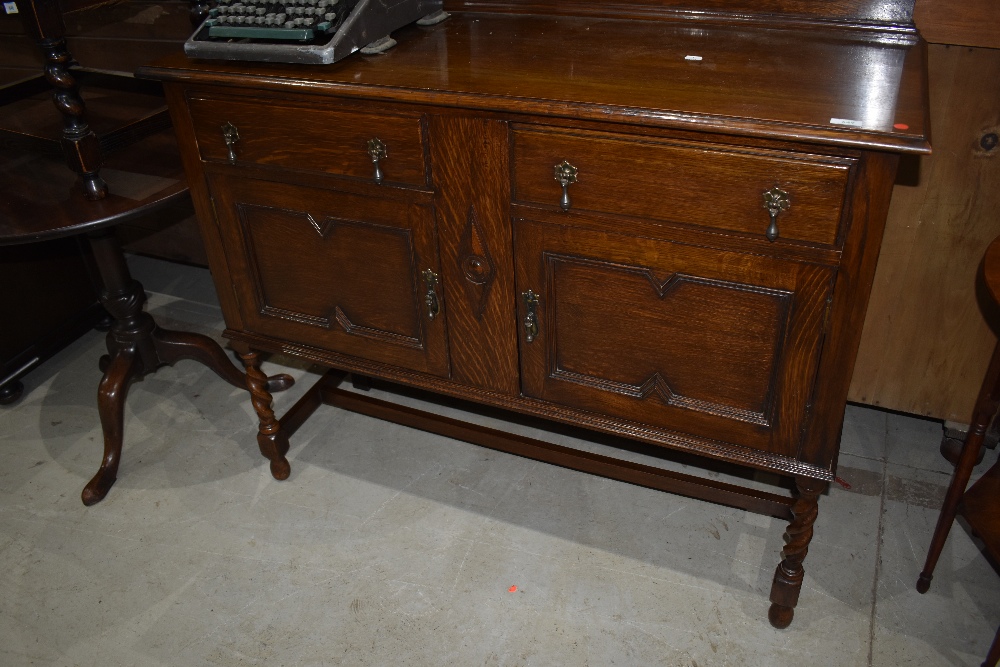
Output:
x=837 y=86
x=40 y=198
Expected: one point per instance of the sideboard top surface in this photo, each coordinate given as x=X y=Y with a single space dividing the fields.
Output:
x=831 y=86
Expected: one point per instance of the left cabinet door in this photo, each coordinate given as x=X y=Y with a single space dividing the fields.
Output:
x=338 y=271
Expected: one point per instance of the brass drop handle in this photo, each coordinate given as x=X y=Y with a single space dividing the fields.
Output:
x=565 y=174
x=531 y=315
x=230 y=136
x=376 y=151
x=776 y=200
x=431 y=298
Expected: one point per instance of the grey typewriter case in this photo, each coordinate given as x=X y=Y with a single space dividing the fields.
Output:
x=369 y=21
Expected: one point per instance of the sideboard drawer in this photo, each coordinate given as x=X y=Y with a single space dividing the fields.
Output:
x=709 y=185
x=334 y=140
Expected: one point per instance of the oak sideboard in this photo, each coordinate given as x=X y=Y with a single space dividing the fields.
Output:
x=640 y=218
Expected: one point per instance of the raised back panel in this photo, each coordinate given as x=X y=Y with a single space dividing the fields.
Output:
x=860 y=13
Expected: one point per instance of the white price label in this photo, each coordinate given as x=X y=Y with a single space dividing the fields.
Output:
x=10 y=7
x=846 y=122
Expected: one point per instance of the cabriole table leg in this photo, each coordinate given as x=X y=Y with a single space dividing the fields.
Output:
x=137 y=347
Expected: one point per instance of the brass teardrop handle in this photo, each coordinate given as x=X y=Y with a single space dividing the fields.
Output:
x=565 y=174
x=776 y=200
x=531 y=315
x=431 y=298
x=230 y=136
x=376 y=151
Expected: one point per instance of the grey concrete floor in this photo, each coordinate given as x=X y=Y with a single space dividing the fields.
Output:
x=388 y=546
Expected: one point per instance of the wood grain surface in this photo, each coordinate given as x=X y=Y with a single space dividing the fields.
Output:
x=885 y=12
x=967 y=23
x=334 y=269
x=693 y=183
x=665 y=333
x=116 y=36
x=475 y=244
x=810 y=85
x=326 y=138
x=926 y=342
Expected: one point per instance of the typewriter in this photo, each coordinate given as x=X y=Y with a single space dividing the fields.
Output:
x=305 y=31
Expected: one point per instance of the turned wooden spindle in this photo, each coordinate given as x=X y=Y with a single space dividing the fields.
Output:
x=271 y=439
x=43 y=22
x=788 y=576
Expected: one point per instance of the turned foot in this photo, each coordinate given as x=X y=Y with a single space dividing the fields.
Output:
x=97 y=488
x=279 y=382
x=924 y=582
x=280 y=468
x=780 y=616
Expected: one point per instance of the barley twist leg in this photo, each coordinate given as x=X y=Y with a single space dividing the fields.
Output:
x=788 y=576
x=273 y=442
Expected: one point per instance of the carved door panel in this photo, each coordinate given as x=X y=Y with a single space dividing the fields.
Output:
x=335 y=270
x=716 y=344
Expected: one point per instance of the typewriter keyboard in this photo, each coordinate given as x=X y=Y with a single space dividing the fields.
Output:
x=284 y=21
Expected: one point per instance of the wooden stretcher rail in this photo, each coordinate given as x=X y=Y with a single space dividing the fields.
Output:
x=326 y=391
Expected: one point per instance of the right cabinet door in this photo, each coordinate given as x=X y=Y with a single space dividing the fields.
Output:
x=714 y=343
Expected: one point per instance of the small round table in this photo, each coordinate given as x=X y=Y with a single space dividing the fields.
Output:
x=40 y=199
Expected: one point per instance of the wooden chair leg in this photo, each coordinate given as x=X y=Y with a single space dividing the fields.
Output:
x=986 y=406
x=788 y=576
